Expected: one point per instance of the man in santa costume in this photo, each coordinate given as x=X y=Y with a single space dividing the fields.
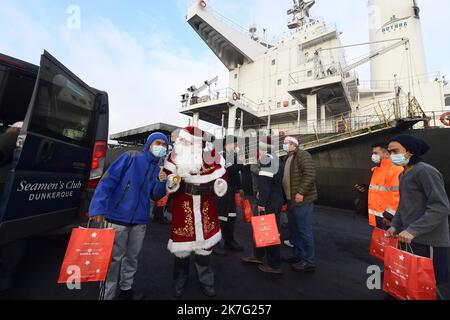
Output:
x=195 y=181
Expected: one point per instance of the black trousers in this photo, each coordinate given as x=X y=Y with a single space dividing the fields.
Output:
x=273 y=254
x=158 y=213
x=440 y=260
x=228 y=214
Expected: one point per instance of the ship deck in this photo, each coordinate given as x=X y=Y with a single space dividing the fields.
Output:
x=342 y=241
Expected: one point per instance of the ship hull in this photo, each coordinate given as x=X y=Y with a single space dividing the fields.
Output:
x=340 y=166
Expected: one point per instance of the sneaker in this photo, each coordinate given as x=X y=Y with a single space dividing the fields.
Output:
x=208 y=291
x=267 y=269
x=303 y=268
x=288 y=244
x=252 y=260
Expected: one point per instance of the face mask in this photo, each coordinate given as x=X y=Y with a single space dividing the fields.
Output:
x=159 y=151
x=376 y=159
x=400 y=160
x=286 y=148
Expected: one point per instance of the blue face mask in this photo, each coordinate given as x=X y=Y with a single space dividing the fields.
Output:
x=400 y=160
x=159 y=151
x=286 y=148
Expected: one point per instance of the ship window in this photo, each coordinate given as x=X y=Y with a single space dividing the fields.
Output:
x=235 y=75
x=274 y=62
x=310 y=73
x=294 y=102
x=280 y=82
x=447 y=101
x=279 y=105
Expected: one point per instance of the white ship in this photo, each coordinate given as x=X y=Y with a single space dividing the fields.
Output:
x=302 y=84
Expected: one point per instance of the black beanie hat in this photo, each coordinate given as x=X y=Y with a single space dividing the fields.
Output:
x=416 y=146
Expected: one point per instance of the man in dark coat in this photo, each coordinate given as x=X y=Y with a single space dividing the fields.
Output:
x=270 y=201
x=227 y=204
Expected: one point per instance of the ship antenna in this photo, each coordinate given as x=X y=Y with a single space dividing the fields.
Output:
x=300 y=13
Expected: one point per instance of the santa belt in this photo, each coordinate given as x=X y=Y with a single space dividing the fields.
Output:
x=194 y=190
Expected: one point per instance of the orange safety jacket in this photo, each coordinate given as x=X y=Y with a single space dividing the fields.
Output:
x=384 y=191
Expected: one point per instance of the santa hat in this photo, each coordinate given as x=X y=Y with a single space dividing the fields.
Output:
x=193 y=134
x=293 y=140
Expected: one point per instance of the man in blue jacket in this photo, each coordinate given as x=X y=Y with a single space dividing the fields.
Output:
x=123 y=199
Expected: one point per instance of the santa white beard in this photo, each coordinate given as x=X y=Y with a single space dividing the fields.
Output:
x=188 y=159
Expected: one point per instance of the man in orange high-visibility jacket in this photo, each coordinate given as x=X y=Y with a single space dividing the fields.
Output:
x=384 y=193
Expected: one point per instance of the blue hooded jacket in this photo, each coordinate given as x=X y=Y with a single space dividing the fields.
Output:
x=124 y=193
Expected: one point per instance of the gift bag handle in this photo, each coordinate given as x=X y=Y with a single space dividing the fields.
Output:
x=407 y=246
x=103 y=225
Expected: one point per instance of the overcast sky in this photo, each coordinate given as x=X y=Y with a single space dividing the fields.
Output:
x=145 y=55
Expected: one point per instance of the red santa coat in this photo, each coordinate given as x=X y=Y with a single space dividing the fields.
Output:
x=195 y=221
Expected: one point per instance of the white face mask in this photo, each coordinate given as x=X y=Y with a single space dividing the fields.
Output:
x=376 y=159
x=400 y=160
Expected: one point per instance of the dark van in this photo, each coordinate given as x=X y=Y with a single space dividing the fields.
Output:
x=52 y=164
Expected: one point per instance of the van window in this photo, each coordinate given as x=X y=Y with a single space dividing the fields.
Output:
x=16 y=89
x=63 y=108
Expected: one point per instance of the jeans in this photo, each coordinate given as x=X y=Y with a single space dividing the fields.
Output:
x=301 y=232
x=124 y=263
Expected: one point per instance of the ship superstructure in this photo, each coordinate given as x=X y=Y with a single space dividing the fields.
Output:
x=302 y=83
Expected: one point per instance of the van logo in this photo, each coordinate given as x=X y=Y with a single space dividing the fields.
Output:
x=49 y=190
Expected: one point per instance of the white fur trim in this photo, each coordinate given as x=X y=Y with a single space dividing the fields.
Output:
x=182 y=255
x=217 y=174
x=220 y=188
x=169 y=166
x=177 y=247
x=197 y=204
x=204 y=253
x=232 y=215
x=224 y=219
x=187 y=136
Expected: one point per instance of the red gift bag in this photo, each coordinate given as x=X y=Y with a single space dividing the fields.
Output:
x=265 y=231
x=238 y=200
x=248 y=211
x=380 y=243
x=90 y=252
x=408 y=277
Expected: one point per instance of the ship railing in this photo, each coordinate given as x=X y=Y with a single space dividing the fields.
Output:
x=433 y=119
x=308 y=74
x=221 y=94
x=236 y=26
x=399 y=81
x=377 y=116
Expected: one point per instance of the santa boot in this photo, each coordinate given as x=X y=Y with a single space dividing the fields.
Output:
x=205 y=275
x=230 y=242
x=181 y=275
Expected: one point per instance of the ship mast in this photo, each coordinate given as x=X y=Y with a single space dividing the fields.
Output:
x=299 y=13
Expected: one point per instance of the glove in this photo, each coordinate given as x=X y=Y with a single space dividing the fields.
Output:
x=220 y=188
x=173 y=184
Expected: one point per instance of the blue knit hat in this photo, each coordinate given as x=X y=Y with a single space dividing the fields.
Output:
x=416 y=146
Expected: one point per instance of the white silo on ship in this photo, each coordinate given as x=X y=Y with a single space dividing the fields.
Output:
x=391 y=20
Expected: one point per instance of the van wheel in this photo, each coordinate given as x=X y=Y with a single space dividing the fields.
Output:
x=11 y=255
